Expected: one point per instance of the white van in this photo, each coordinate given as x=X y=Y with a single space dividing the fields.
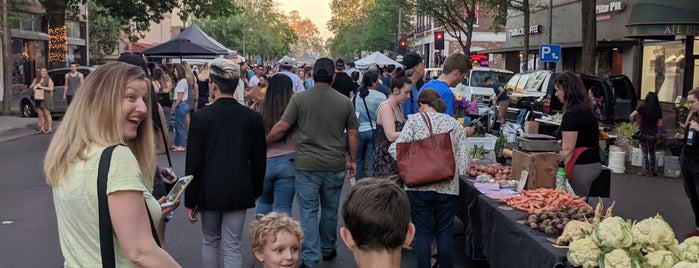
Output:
x=474 y=84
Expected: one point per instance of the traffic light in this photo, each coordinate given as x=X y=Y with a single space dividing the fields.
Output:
x=439 y=40
x=402 y=46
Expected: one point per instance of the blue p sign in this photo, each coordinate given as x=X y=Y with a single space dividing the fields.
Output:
x=549 y=53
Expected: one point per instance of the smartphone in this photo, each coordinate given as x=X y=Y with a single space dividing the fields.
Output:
x=177 y=190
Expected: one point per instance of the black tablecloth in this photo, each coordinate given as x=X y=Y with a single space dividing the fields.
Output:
x=493 y=234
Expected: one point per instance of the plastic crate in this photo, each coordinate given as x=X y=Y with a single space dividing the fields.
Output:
x=488 y=142
x=672 y=167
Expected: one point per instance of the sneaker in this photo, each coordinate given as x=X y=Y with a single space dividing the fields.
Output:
x=694 y=232
x=330 y=256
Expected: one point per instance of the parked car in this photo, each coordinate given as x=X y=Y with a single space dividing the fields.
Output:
x=26 y=98
x=535 y=91
x=474 y=84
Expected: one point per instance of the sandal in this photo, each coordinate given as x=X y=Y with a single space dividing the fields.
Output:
x=179 y=149
x=48 y=131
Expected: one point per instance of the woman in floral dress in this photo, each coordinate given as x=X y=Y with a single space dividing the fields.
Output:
x=389 y=111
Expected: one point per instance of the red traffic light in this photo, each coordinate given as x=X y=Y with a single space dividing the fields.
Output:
x=403 y=43
x=439 y=36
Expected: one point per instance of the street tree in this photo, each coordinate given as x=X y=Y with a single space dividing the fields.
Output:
x=500 y=10
x=589 y=36
x=133 y=16
x=259 y=27
x=105 y=34
x=456 y=16
x=309 y=39
x=381 y=28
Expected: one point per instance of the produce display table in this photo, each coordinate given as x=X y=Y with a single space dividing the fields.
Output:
x=495 y=235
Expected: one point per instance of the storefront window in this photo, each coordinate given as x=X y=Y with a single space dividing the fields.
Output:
x=73 y=29
x=18 y=60
x=663 y=70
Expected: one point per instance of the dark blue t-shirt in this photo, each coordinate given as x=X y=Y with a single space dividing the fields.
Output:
x=496 y=89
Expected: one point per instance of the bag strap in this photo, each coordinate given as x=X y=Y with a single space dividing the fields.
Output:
x=105 y=220
x=428 y=122
x=367 y=113
x=167 y=150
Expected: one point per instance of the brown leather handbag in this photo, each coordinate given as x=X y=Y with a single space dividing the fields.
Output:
x=428 y=160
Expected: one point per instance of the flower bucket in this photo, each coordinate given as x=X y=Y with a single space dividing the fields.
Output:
x=617 y=161
x=636 y=157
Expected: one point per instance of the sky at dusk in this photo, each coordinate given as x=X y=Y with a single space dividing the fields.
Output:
x=318 y=11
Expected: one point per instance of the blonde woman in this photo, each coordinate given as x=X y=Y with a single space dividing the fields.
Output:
x=44 y=106
x=115 y=109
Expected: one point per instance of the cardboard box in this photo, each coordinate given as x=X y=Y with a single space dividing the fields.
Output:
x=531 y=127
x=542 y=168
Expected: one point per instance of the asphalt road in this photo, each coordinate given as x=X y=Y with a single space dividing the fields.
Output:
x=29 y=237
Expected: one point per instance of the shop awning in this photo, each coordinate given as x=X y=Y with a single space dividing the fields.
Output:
x=663 y=20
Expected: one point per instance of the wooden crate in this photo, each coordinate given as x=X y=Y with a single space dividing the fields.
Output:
x=531 y=127
x=542 y=168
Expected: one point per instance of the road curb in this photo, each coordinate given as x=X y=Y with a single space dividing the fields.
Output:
x=17 y=132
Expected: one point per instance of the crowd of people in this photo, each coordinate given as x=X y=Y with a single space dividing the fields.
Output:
x=264 y=139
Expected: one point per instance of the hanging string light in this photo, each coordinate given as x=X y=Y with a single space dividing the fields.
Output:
x=58 y=44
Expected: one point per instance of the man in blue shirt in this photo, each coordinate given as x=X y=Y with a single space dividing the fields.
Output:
x=414 y=70
x=453 y=71
x=502 y=99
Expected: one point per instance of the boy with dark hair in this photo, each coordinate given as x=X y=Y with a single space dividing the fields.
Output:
x=377 y=223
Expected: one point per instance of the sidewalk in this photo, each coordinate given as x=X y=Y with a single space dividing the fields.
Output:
x=14 y=127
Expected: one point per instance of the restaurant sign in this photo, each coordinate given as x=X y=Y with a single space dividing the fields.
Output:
x=605 y=11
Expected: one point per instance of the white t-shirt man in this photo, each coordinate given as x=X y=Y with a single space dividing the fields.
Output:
x=295 y=79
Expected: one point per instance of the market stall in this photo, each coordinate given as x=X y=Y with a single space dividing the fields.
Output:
x=493 y=233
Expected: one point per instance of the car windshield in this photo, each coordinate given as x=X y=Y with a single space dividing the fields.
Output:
x=478 y=78
x=536 y=79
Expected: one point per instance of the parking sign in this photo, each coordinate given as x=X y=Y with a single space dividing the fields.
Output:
x=549 y=53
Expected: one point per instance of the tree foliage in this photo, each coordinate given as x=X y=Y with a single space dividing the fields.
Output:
x=105 y=34
x=457 y=17
x=366 y=25
x=309 y=39
x=271 y=36
x=500 y=9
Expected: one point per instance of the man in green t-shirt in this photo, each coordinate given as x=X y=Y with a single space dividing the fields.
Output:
x=320 y=115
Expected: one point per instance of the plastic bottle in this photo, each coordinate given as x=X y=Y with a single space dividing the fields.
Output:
x=561 y=180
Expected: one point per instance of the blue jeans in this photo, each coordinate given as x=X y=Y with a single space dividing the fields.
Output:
x=365 y=154
x=278 y=189
x=180 y=112
x=314 y=190
x=425 y=206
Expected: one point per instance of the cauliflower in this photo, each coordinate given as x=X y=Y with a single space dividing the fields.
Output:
x=653 y=234
x=660 y=259
x=618 y=258
x=574 y=230
x=613 y=233
x=584 y=252
x=684 y=264
x=689 y=249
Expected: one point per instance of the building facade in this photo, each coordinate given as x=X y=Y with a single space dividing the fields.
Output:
x=29 y=28
x=483 y=38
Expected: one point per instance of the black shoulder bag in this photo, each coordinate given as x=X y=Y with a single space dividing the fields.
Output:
x=105 y=220
x=354 y=99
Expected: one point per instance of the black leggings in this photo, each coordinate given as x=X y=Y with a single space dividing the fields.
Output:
x=648 y=148
x=690 y=176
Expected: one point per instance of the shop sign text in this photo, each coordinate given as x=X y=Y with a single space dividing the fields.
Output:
x=604 y=11
x=534 y=29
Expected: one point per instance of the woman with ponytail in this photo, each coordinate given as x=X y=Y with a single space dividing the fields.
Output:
x=365 y=104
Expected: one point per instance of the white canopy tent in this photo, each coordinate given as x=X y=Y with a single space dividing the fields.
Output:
x=376 y=58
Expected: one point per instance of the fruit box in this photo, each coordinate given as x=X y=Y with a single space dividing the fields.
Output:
x=542 y=168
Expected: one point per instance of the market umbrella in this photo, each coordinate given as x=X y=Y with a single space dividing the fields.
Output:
x=179 y=47
x=376 y=58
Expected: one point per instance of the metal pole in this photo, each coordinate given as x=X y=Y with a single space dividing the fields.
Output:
x=550 y=65
x=244 y=45
x=87 y=33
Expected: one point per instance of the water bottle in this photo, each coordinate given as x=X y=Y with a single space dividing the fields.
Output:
x=561 y=180
x=690 y=136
